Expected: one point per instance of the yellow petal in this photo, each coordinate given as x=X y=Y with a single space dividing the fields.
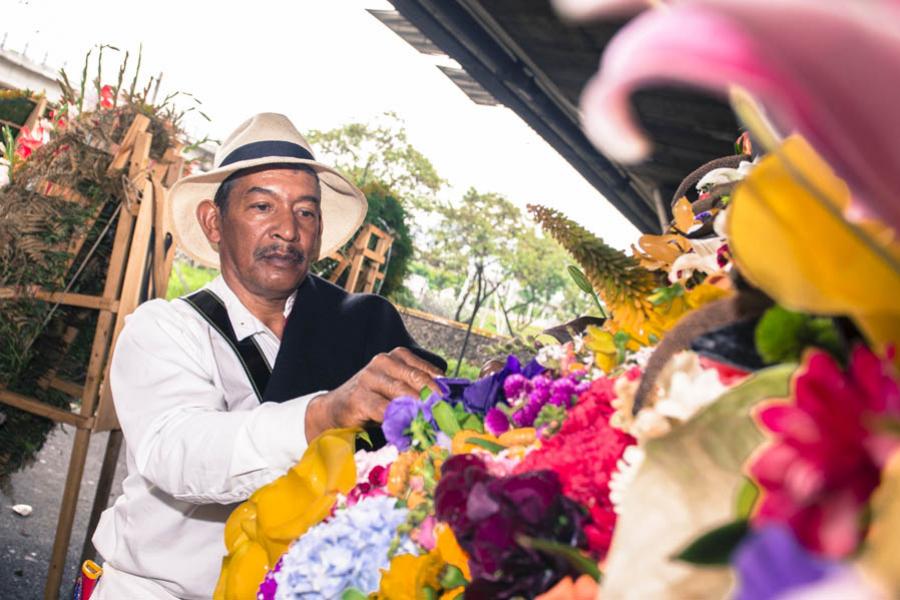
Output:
x=789 y=238
x=246 y=511
x=881 y=555
x=450 y=550
x=246 y=570
x=684 y=215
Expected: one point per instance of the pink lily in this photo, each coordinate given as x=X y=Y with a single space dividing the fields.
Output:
x=823 y=69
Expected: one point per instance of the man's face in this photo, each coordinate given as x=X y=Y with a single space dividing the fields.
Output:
x=270 y=230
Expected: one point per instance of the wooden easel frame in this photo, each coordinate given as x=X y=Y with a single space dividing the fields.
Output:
x=363 y=262
x=139 y=267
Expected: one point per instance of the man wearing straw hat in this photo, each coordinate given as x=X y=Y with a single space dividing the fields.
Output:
x=208 y=411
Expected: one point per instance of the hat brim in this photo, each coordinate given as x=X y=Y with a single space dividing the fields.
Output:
x=343 y=206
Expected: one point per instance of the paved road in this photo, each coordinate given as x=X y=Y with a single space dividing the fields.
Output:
x=26 y=542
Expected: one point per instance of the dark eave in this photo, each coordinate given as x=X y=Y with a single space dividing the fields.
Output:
x=518 y=53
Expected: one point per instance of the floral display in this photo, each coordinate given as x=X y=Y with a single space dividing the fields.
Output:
x=728 y=425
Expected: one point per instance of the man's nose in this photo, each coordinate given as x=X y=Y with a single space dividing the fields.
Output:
x=286 y=227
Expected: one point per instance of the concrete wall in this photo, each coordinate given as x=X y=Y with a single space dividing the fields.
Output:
x=445 y=337
x=21 y=73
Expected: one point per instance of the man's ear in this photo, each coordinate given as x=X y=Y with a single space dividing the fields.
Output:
x=210 y=220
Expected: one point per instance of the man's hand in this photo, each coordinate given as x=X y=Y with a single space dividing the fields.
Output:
x=366 y=395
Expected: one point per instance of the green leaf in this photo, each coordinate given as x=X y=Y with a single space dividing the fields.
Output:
x=444 y=417
x=451 y=577
x=715 y=547
x=486 y=444
x=473 y=423
x=364 y=436
x=746 y=499
x=782 y=335
x=580 y=279
x=425 y=393
x=353 y=594
x=575 y=557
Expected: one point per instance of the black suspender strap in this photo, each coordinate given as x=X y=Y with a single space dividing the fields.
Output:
x=251 y=357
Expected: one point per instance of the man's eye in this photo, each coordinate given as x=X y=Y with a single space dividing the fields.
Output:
x=306 y=213
x=261 y=206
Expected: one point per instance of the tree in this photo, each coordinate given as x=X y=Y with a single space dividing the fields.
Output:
x=381 y=152
x=476 y=237
x=538 y=268
x=395 y=177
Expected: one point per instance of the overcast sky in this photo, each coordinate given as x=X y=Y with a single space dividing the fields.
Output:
x=323 y=63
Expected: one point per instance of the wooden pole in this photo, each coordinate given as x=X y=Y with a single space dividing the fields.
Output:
x=104 y=487
x=99 y=353
x=67 y=513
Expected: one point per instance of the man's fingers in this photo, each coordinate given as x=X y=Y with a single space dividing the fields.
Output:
x=410 y=358
x=421 y=373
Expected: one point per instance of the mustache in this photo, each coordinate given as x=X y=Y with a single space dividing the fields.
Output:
x=280 y=251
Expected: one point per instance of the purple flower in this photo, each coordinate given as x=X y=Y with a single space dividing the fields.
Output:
x=495 y=421
x=516 y=384
x=771 y=561
x=488 y=515
x=399 y=416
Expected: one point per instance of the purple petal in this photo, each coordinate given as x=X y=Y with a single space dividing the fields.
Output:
x=496 y=422
x=771 y=561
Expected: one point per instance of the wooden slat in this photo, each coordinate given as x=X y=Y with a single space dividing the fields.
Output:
x=67 y=387
x=139 y=125
x=160 y=274
x=42 y=409
x=130 y=298
x=36 y=113
x=65 y=298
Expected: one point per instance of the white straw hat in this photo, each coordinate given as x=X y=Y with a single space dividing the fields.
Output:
x=266 y=138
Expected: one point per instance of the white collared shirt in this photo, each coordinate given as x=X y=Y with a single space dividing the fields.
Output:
x=197 y=441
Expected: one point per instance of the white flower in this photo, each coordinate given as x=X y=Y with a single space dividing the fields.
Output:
x=648 y=424
x=626 y=470
x=725 y=175
x=686 y=387
x=551 y=356
x=366 y=461
x=685 y=265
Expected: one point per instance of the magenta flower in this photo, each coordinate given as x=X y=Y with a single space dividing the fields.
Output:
x=827 y=451
x=813 y=65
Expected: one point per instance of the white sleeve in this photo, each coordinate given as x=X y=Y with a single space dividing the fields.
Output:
x=175 y=418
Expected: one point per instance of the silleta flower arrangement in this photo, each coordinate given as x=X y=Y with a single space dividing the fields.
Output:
x=728 y=427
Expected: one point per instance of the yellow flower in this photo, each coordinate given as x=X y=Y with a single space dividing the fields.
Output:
x=790 y=237
x=412 y=577
x=603 y=345
x=259 y=530
x=660 y=251
x=450 y=551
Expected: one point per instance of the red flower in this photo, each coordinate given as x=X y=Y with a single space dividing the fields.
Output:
x=826 y=456
x=107 y=96
x=584 y=455
x=30 y=140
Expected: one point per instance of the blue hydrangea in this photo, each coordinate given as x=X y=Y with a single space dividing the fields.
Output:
x=346 y=551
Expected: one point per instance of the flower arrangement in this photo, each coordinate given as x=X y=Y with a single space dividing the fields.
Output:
x=729 y=427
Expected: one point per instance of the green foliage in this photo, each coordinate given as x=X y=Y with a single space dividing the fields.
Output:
x=618 y=277
x=781 y=335
x=382 y=152
x=186 y=278
x=714 y=548
x=466 y=369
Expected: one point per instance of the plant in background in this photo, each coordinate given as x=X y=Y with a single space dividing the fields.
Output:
x=623 y=285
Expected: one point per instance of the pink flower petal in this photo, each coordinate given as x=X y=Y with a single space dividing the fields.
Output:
x=814 y=65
